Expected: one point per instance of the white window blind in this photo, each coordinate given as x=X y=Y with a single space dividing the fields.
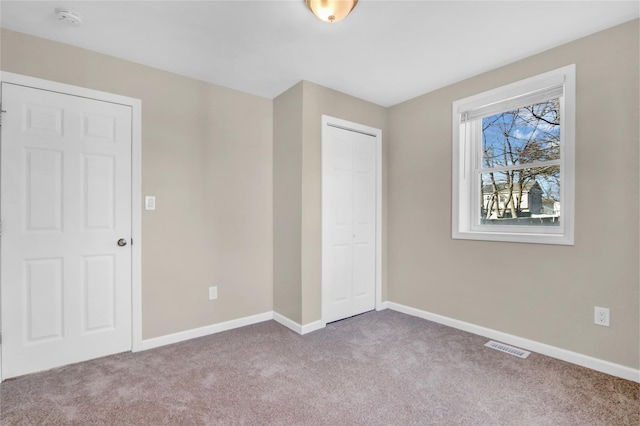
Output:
x=510 y=104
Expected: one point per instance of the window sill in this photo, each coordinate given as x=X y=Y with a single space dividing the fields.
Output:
x=513 y=237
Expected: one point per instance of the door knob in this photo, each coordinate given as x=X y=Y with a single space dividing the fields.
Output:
x=122 y=242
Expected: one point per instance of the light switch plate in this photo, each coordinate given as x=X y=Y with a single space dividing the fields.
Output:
x=213 y=293
x=149 y=202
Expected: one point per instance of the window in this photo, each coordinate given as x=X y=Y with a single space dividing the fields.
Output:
x=513 y=161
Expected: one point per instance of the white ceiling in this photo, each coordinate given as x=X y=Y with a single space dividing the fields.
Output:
x=385 y=52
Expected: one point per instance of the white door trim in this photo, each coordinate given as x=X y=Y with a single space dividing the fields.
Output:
x=377 y=134
x=136 y=181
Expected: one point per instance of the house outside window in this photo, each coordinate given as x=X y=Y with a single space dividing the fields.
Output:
x=513 y=161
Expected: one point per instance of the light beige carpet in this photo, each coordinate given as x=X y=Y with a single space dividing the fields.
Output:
x=380 y=368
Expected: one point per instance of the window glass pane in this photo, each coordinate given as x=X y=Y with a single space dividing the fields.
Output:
x=522 y=136
x=526 y=196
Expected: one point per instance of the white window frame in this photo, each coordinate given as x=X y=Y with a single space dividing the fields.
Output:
x=467 y=154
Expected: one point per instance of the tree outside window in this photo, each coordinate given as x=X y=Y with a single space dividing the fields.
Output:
x=521 y=177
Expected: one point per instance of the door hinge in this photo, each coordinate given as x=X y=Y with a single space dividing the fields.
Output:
x=0 y=229
x=1 y=111
x=0 y=337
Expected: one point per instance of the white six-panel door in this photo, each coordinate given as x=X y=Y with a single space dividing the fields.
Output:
x=349 y=223
x=65 y=203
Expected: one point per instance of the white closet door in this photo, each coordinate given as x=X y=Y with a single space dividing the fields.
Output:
x=349 y=220
x=65 y=204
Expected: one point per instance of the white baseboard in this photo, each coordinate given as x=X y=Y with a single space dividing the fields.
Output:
x=224 y=326
x=312 y=326
x=603 y=366
x=203 y=331
x=298 y=328
x=382 y=306
x=290 y=324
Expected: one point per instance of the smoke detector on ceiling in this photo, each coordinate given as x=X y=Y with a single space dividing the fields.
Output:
x=68 y=16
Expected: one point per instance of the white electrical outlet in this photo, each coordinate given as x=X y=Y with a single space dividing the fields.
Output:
x=213 y=293
x=601 y=316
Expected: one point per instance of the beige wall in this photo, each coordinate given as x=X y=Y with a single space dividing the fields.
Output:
x=287 y=203
x=206 y=156
x=297 y=155
x=483 y=282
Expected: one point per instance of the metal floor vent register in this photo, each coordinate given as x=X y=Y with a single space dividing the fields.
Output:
x=508 y=349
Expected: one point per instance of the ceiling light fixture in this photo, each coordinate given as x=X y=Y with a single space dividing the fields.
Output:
x=331 y=10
